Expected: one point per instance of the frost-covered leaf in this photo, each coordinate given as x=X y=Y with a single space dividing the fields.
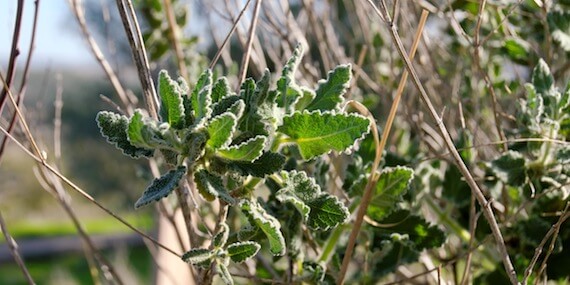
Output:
x=320 y=210
x=326 y=212
x=201 y=97
x=198 y=255
x=171 y=105
x=267 y=163
x=161 y=187
x=559 y=22
x=221 y=237
x=542 y=78
x=318 y=133
x=224 y=273
x=510 y=168
x=220 y=90
x=392 y=185
x=211 y=186
x=114 y=128
x=220 y=130
x=241 y=251
x=330 y=91
x=267 y=223
x=249 y=150
x=195 y=144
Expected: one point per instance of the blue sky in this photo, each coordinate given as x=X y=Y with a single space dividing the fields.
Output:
x=58 y=40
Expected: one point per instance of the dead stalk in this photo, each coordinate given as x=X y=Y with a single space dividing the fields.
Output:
x=483 y=202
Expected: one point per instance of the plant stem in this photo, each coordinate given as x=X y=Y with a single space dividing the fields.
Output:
x=13 y=247
x=483 y=202
x=375 y=174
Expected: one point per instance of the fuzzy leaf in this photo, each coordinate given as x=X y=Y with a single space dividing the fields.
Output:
x=224 y=273
x=308 y=96
x=220 y=90
x=241 y=251
x=220 y=130
x=288 y=90
x=326 y=212
x=510 y=168
x=249 y=150
x=267 y=223
x=114 y=128
x=161 y=187
x=201 y=97
x=211 y=186
x=542 y=78
x=330 y=91
x=197 y=255
x=171 y=105
x=421 y=233
x=318 y=133
x=321 y=210
x=135 y=130
x=559 y=22
x=226 y=104
x=267 y=163
x=221 y=237
x=392 y=185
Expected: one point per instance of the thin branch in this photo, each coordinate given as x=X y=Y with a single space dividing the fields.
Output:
x=175 y=38
x=246 y=56
x=85 y=194
x=139 y=54
x=485 y=205
x=13 y=247
x=14 y=52
x=552 y=233
x=228 y=36
x=79 y=14
x=488 y=84
x=374 y=176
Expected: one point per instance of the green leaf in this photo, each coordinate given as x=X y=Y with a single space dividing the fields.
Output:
x=201 y=97
x=393 y=183
x=330 y=91
x=318 y=133
x=221 y=237
x=197 y=255
x=211 y=186
x=288 y=90
x=224 y=273
x=542 y=78
x=510 y=168
x=226 y=104
x=395 y=252
x=249 y=150
x=195 y=143
x=267 y=163
x=114 y=128
x=161 y=187
x=135 y=129
x=220 y=130
x=559 y=22
x=516 y=50
x=308 y=96
x=241 y=251
x=220 y=90
x=267 y=223
x=326 y=212
x=321 y=210
x=421 y=233
x=171 y=105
